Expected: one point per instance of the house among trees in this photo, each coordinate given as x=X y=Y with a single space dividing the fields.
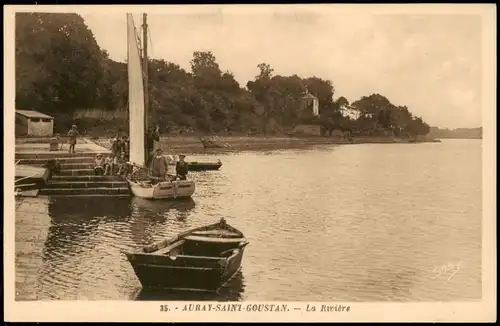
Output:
x=310 y=109
x=310 y=104
x=349 y=111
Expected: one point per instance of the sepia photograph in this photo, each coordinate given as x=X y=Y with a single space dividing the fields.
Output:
x=284 y=162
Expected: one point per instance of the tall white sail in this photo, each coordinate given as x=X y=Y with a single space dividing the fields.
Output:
x=135 y=96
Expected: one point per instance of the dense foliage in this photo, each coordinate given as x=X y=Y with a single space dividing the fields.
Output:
x=60 y=69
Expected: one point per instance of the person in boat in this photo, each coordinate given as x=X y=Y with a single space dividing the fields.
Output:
x=99 y=165
x=151 y=137
x=72 y=134
x=181 y=168
x=159 y=166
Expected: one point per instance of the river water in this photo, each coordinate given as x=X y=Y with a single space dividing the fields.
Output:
x=336 y=223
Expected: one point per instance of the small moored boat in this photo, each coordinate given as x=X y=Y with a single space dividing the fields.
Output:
x=204 y=166
x=200 y=259
x=175 y=189
x=31 y=177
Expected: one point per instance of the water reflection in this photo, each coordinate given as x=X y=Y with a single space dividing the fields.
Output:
x=159 y=209
x=147 y=215
x=75 y=219
x=231 y=291
x=86 y=208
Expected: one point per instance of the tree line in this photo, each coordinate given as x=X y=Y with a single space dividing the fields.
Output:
x=60 y=68
x=458 y=133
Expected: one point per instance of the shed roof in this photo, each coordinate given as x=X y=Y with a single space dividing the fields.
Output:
x=33 y=114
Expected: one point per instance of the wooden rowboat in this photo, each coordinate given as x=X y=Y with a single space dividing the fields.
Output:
x=200 y=259
x=31 y=177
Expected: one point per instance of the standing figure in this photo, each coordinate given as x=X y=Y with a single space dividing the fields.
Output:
x=72 y=134
x=181 y=168
x=151 y=137
x=116 y=150
x=126 y=147
x=159 y=166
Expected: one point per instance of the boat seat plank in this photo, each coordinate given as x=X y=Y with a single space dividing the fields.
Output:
x=165 y=250
x=222 y=233
x=215 y=240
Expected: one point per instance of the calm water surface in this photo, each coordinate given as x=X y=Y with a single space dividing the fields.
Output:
x=347 y=223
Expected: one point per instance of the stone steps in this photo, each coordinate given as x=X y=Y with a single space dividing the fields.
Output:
x=63 y=184
x=83 y=195
x=70 y=166
x=52 y=155
x=76 y=178
x=74 y=172
x=121 y=191
x=65 y=160
x=77 y=166
x=71 y=178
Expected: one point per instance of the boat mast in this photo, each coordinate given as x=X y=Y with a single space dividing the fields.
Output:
x=146 y=77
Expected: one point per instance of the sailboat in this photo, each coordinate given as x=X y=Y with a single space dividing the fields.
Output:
x=140 y=185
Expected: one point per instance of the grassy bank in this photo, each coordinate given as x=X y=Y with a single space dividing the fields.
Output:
x=192 y=144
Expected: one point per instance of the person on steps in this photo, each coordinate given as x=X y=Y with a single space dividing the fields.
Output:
x=108 y=165
x=122 y=164
x=181 y=168
x=99 y=165
x=159 y=166
x=116 y=147
x=72 y=134
x=126 y=147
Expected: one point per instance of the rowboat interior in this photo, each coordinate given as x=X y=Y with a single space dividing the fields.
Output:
x=208 y=243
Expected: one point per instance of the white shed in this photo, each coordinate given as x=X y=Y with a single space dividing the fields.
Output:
x=33 y=123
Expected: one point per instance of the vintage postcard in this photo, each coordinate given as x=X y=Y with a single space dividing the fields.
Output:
x=250 y=162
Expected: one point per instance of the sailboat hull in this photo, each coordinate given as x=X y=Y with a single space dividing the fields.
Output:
x=163 y=190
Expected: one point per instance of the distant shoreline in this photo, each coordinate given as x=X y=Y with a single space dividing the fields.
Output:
x=192 y=144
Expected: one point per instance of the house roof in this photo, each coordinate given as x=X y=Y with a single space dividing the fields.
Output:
x=33 y=114
x=309 y=95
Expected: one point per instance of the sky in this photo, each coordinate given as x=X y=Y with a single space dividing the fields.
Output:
x=430 y=63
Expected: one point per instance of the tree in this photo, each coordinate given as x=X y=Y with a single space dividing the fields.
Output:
x=59 y=65
x=266 y=72
x=206 y=70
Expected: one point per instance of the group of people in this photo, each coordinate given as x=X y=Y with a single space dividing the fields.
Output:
x=158 y=167
x=157 y=163
x=117 y=161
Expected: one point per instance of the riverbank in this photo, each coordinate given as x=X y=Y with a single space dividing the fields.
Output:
x=192 y=144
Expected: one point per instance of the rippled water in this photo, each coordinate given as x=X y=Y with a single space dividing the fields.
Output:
x=358 y=223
